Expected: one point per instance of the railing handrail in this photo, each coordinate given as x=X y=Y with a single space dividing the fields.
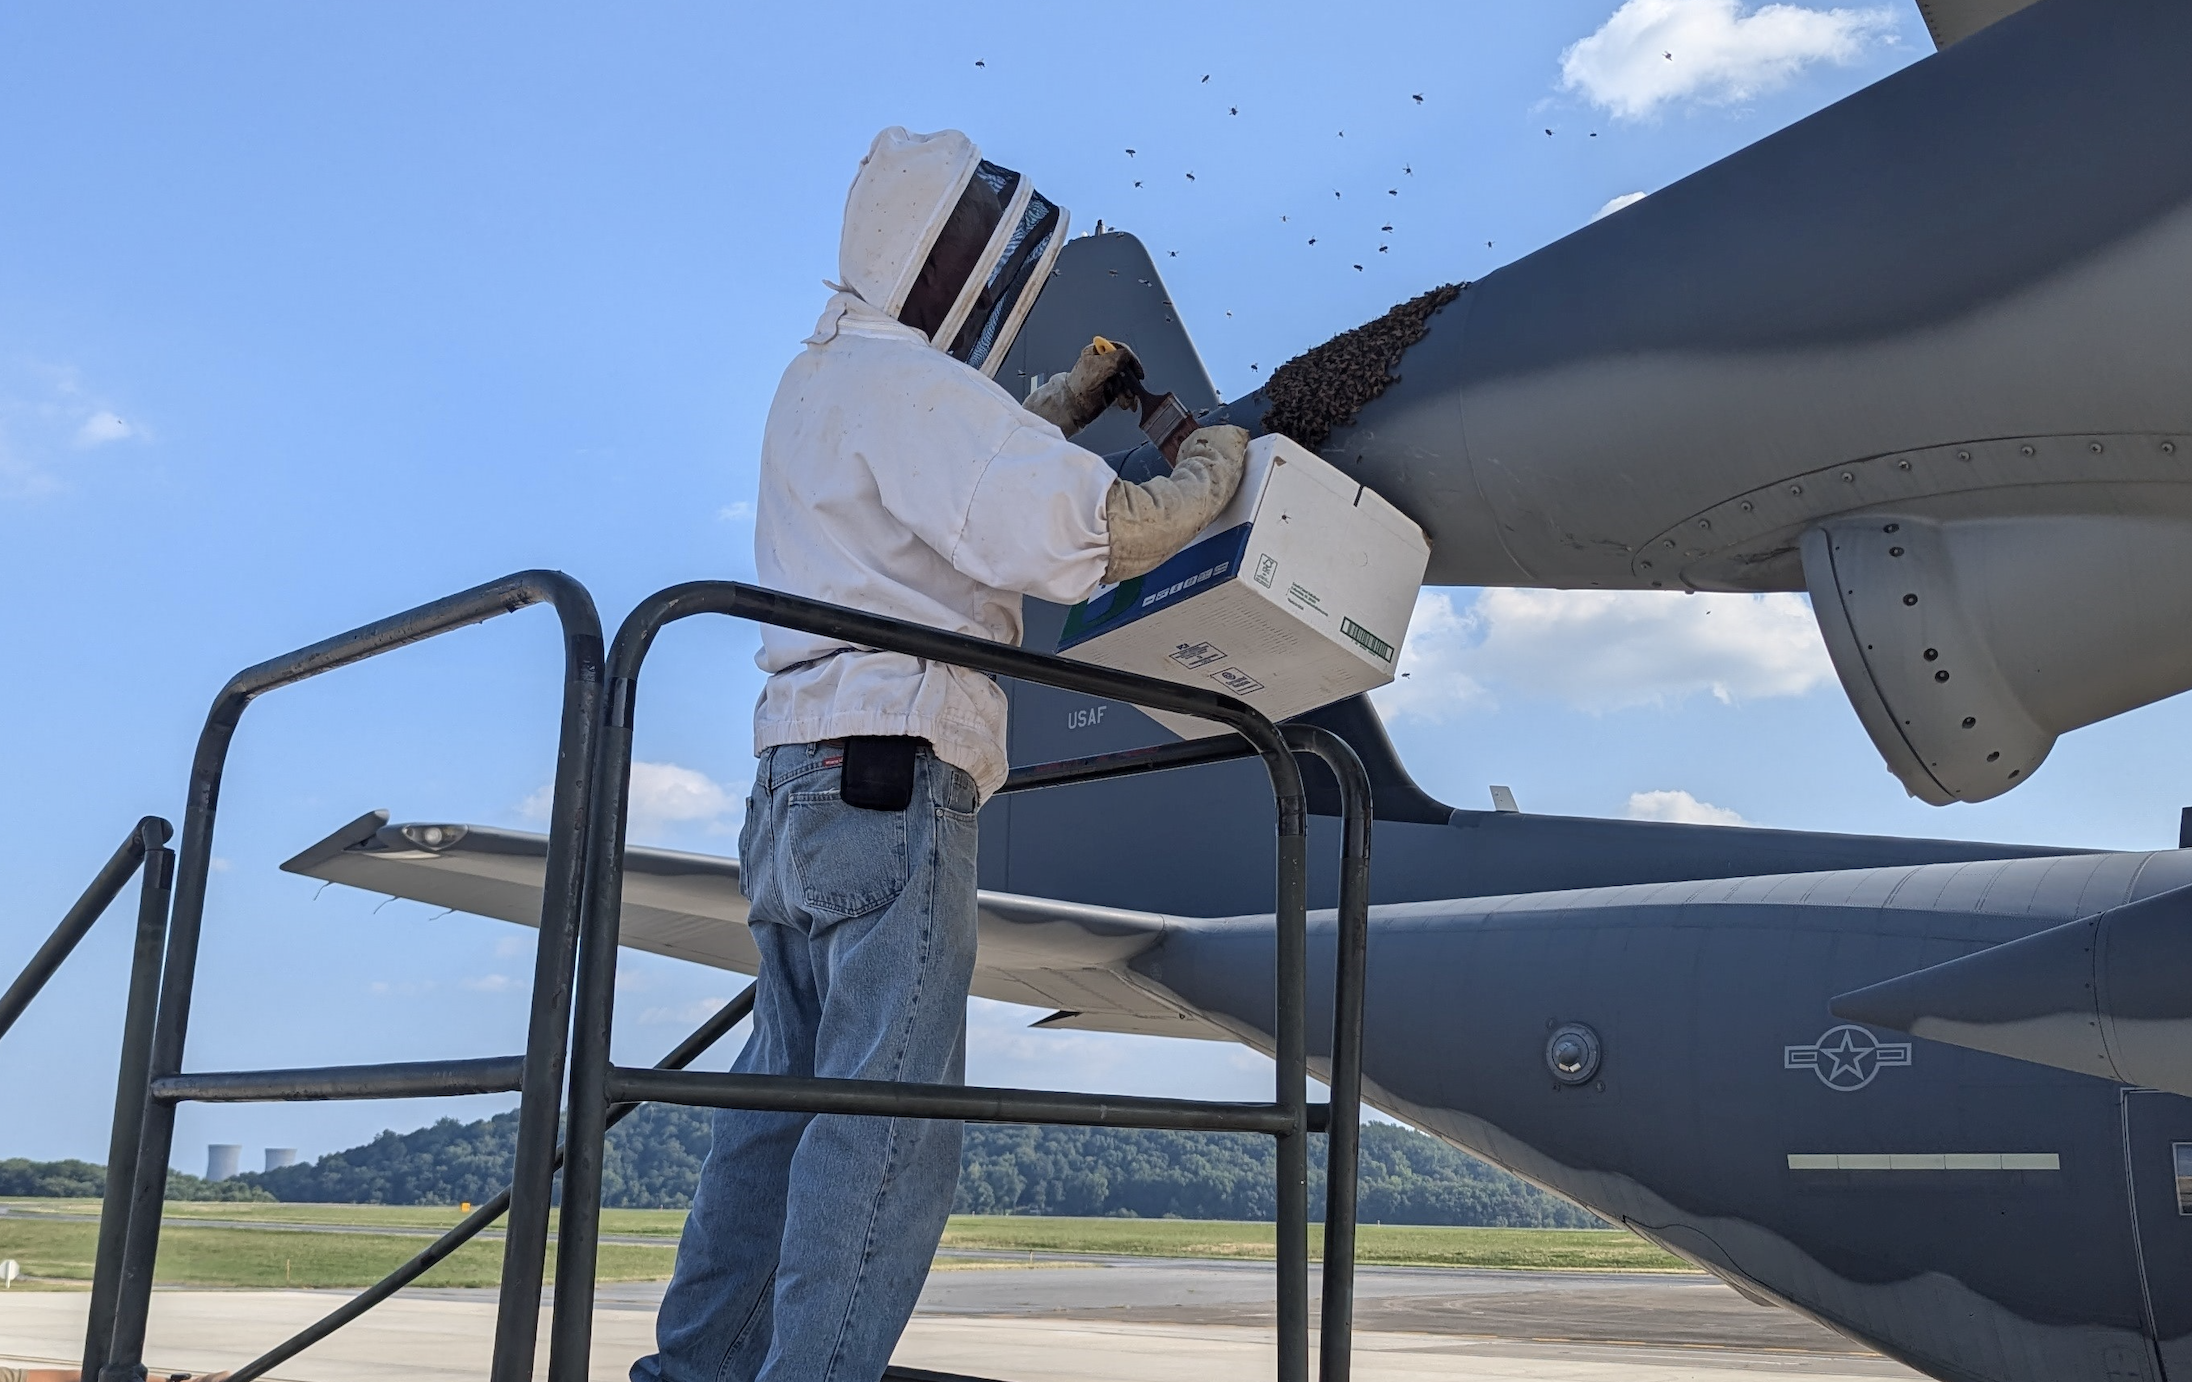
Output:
x=525 y=1248
x=859 y=630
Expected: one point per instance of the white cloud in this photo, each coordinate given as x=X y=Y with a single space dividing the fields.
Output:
x=1678 y=806
x=661 y=794
x=1602 y=650
x=1434 y=681
x=491 y=983
x=732 y=513
x=45 y=412
x=1651 y=52
x=100 y=428
x=665 y=792
x=1625 y=199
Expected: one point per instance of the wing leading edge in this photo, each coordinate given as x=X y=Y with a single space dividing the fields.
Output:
x=1067 y=956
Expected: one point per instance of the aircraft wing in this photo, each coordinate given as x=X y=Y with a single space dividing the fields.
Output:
x=1061 y=955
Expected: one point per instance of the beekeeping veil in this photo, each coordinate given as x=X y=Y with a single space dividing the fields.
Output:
x=948 y=243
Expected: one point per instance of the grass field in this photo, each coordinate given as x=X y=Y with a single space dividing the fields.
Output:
x=663 y=1223
x=204 y=1254
x=196 y=1256
x=1385 y=1244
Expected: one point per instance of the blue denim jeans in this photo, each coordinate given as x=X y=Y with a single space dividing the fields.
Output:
x=810 y=1235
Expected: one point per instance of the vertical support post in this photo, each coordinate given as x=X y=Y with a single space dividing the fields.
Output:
x=132 y=1087
x=1293 y=1090
x=532 y=1182
x=156 y=1141
x=578 y=1240
x=1343 y=1154
x=1343 y=1133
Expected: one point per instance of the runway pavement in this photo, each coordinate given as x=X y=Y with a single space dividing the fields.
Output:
x=487 y=1235
x=1070 y=1320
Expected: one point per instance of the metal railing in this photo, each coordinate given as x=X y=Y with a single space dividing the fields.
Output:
x=596 y=1083
x=130 y=1240
x=146 y=837
x=579 y=931
x=1343 y=1123
x=145 y=853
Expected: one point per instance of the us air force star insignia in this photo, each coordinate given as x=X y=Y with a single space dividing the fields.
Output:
x=1845 y=1058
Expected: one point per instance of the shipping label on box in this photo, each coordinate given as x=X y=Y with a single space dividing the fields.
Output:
x=1297 y=595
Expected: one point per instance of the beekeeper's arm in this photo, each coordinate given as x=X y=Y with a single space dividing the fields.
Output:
x=1150 y=521
x=1046 y=518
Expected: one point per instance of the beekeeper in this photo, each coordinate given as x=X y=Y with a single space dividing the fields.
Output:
x=899 y=479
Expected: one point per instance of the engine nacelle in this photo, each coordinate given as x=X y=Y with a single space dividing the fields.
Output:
x=1968 y=643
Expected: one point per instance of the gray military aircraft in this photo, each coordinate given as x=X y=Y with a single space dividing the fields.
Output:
x=1924 y=355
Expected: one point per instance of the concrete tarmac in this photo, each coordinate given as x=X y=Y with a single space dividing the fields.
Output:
x=1067 y=1320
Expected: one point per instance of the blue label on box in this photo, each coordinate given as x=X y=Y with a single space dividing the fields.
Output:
x=1188 y=573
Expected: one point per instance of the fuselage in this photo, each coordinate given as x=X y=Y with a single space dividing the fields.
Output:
x=1969 y=1214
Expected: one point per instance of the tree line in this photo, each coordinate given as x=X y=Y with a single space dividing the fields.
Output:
x=653 y=1161
x=81 y=1180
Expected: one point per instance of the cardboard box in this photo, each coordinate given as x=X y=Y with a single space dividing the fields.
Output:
x=1297 y=595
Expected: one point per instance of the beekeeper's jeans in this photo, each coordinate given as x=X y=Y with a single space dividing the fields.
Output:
x=810 y=1235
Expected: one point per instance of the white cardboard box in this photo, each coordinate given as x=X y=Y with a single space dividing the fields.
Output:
x=1297 y=595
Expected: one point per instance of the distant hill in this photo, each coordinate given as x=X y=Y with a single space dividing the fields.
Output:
x=654 y=1161
x=1407 y=1178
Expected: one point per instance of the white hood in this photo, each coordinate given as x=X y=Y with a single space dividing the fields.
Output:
x=904 y=194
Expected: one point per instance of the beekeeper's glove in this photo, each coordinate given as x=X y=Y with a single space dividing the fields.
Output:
x=1105 y=374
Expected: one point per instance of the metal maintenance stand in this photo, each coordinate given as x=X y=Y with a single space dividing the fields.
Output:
x=581 y=904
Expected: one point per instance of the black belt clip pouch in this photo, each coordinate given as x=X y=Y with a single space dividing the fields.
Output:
x=878 y=771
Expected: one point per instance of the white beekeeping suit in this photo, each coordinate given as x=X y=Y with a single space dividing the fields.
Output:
x=898 y=478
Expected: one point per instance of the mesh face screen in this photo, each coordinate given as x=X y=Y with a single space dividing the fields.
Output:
x=1013 y=278
x=956 y=257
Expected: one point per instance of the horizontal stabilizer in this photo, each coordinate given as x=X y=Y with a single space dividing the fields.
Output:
x=2106 y=995
x=1033 y=951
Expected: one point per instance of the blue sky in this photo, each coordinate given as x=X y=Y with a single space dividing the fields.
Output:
x=311 y=313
